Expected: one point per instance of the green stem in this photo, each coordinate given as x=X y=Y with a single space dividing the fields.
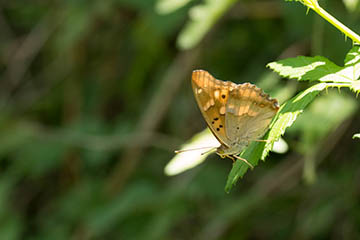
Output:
x=347 y=31
x=338 y=85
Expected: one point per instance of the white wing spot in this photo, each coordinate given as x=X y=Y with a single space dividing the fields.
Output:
x=206 y=106
x=222 y=110
x=209 y=104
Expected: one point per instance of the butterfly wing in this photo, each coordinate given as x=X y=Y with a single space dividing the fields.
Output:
x=211 y=96
x=249 y=112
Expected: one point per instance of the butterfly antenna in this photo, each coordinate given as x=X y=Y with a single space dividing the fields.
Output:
x=209 y=151
x=194 y=149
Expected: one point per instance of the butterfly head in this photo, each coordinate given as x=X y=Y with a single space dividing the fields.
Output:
x=235 y=149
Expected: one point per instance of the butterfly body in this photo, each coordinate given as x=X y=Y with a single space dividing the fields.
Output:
x=234 y=149
x=235 y=113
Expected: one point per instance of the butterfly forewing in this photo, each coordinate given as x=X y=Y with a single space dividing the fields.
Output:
x=212 y=96
x=249 y=112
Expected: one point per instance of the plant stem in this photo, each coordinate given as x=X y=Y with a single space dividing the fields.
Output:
x=338 y=85
x=328 y=17
x=347 y=31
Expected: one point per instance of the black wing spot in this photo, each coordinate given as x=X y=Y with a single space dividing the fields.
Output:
x=223 y=96
x=212 y=122
x=237 y=128
x=217 y=129
x=215 y=119
x=220 y=126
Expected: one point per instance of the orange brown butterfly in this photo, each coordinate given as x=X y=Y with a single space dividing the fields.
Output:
x=236 y=114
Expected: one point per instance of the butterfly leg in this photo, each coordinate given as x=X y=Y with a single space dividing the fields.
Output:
x=233 y=159
x=244 y=160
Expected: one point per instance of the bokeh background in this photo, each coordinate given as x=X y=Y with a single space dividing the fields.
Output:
x=95 y=96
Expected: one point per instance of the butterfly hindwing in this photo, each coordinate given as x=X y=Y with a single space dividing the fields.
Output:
x=249 y=112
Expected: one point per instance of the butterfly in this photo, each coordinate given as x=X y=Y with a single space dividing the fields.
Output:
x=236 y=114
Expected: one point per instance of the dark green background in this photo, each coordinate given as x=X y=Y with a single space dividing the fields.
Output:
x=95 y=96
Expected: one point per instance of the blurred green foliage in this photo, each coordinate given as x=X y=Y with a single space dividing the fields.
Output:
x=95 y=96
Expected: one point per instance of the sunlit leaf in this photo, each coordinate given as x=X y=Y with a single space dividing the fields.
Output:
x=168 y=6
x=189 y=159
x=311 y=69
x=280 y=146
x=356 y=135
x=355 y=86
x=319 y=68
x=352 y=62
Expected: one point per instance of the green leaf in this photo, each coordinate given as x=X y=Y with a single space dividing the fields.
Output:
x=352 y=62
x=286 y=116
x=252 y=154
x=288 y=113
x=202 y=18
x=319 y=68
x=311 y=69
x=356 y=135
